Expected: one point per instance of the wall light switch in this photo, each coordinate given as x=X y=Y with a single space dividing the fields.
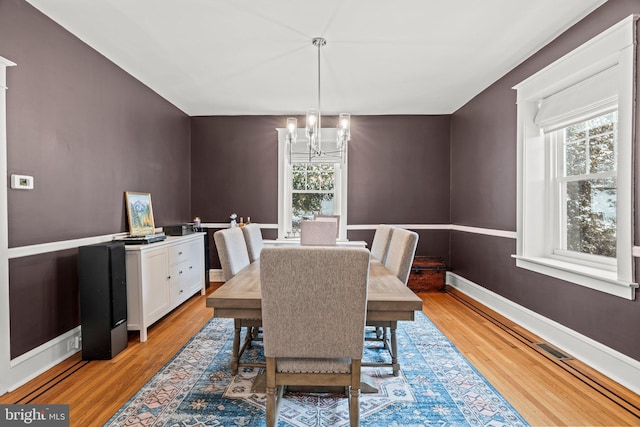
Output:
x=21 y=182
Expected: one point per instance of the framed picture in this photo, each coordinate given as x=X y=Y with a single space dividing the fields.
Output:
x=140 y=213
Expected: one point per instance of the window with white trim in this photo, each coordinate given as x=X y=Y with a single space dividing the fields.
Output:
x=586 y=190
x=575 y=181
x=309 y=187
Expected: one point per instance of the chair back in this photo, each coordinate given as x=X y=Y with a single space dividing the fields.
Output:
x=314 y=301
x=402 y=248
x=318 y=233
x=253 y=239
x=232 y=251
x=330 y=218
x=380 y=243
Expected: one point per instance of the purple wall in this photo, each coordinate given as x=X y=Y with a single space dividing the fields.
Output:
x=483 y=194
x=87 y=131
x=398 y=173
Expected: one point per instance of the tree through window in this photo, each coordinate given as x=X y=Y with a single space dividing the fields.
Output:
x=588 y=186
x=313 y=192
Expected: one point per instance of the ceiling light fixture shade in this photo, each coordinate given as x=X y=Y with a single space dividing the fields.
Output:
x=292 y=130
x=312 y=130
x=344 y=130
x=313 y=126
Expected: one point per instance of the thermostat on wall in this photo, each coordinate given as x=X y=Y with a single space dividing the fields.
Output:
x=21 y=182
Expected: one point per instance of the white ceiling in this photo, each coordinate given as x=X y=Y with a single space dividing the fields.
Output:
x=244 y=57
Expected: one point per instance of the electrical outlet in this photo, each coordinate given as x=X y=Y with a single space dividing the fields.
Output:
x=21 y=182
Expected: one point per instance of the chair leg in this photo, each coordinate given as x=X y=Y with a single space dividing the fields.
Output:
x=274 y=393
x=271 y=406
x=354 y=407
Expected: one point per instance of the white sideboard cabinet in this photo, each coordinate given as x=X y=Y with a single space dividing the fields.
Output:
x=161 y=276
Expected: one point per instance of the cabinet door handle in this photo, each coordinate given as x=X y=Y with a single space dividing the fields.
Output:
x=180 y=272
x=190 y=267
x=168 y=277
x=180 y=253
x=181 y=290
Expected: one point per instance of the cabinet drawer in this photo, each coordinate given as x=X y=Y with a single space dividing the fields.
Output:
x=179 y=253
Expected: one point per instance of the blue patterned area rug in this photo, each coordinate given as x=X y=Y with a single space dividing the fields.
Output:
x=437 y=386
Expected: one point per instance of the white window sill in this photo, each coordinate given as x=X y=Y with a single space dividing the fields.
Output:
x=590 y=277
x=295 y=241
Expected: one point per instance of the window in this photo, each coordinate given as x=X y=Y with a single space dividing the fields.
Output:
x=586 y=188
x=575 y=145
x=308 y=187
x=312 y=192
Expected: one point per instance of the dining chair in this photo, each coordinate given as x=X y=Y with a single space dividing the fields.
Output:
x=380 y=243
x=318 y=233
x=253 y=239
x=314 y=304
x=402 y=248
x=234 y=256
x=330 y=218
x=232 y=251
x=398 y=260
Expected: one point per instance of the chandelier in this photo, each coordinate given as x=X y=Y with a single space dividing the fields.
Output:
x=313 y=126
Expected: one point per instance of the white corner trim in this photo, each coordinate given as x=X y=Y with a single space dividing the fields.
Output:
x=615 y=365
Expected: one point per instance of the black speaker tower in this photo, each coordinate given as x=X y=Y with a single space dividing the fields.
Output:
x=103 y=300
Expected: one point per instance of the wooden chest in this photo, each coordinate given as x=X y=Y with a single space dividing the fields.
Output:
x=427 y=274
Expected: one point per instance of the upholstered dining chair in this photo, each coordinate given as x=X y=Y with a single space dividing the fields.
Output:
x=232 y=251
x=398 y=260
x=399 y=257
x=234 y=256
x=380 y=243
x=330 y=218
x=253 y=239
x=313 y=319
x=318 y=233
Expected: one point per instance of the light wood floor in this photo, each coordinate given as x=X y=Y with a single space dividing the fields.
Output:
x=546 y=392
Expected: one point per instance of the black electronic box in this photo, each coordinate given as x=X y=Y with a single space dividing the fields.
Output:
x=178 y=229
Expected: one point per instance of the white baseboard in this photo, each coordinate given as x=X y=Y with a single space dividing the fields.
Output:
x=617 y=366
x=42 y=358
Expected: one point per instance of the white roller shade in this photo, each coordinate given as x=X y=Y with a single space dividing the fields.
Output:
x=595 y=94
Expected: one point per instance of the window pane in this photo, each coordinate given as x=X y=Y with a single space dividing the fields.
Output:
x=313 y=176
x=591 y=216
x=590 y=146
x=299 y=177
x=575 y=158
x=311 y=182
x=306 y=205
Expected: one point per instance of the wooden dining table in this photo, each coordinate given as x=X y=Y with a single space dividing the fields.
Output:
x=389 y=301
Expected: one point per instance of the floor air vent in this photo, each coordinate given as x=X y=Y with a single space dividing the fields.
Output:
x=553 y=351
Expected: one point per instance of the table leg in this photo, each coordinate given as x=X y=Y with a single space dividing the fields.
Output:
x=394 y=349
x=236 y=347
